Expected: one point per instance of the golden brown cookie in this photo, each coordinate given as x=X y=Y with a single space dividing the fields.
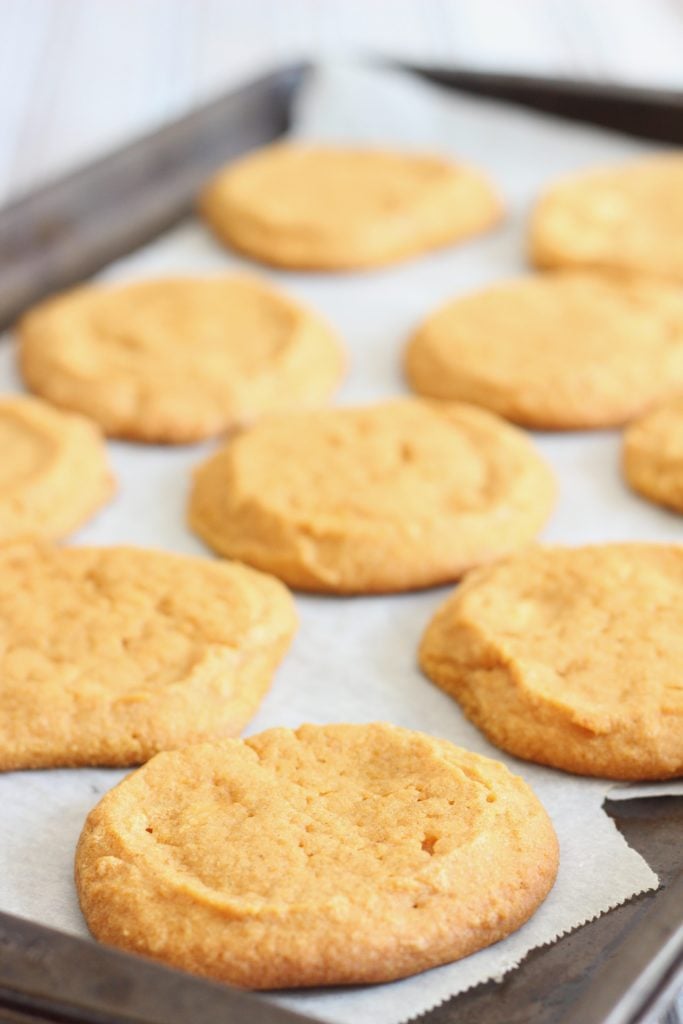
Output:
x=332 y=208
x=571 y=657
x=108 y=655
x=628 y=217
x=177 y=360
x=559 y=351
x=332 y=855
x=54 y=473
x=387 y=497
x=653 y=454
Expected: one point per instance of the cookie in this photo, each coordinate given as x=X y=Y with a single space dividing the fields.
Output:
x=571 y=657
x=54 y=473
x=388 y=497
x=628 y=218
x=558 y=351
x=332 y=208
x=333 y=855
x=108 y=655
x=177 y=360
x=653 y=455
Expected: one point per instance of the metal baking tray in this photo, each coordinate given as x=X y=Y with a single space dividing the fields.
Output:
x=620 y=969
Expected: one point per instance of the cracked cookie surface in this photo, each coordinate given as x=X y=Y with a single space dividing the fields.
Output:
x=176 y=360
x=54 y=472
x=333 y=208
x=560 y=351
x=108 y=655
x=337 y=854
x=571 y=657
x=403 y=494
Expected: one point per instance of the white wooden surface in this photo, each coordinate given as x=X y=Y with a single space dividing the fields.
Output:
x=80 y=76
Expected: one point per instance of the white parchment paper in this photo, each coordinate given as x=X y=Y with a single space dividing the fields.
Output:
x=354 y=659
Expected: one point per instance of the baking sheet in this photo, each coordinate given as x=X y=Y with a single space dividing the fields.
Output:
x=354 y=659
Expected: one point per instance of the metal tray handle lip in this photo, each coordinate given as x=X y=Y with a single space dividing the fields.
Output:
x=48 y=975
x=282 y=80
x=639 y=982
x=66 y=230
x=575 y=88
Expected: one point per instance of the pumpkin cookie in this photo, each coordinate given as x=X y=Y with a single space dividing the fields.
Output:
x=108 y=655
x=333 y=855
x=623 y=218
x=327 y=208
x=653 y=455
x=54 y=473
x=389 y=497
x=177 y=360
x=571 y=657
x=557 y=351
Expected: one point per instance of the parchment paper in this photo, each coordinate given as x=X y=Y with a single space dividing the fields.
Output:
x=354 y=659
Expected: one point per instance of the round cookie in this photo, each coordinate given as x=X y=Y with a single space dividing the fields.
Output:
x=54 y=473
x=558 y=351
x=653 y=454
x=333 y=855
x=571 y=657
x=332 y=208
x=108 y=655
x=177 y=360
x=388 y=497
x=628 y=217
